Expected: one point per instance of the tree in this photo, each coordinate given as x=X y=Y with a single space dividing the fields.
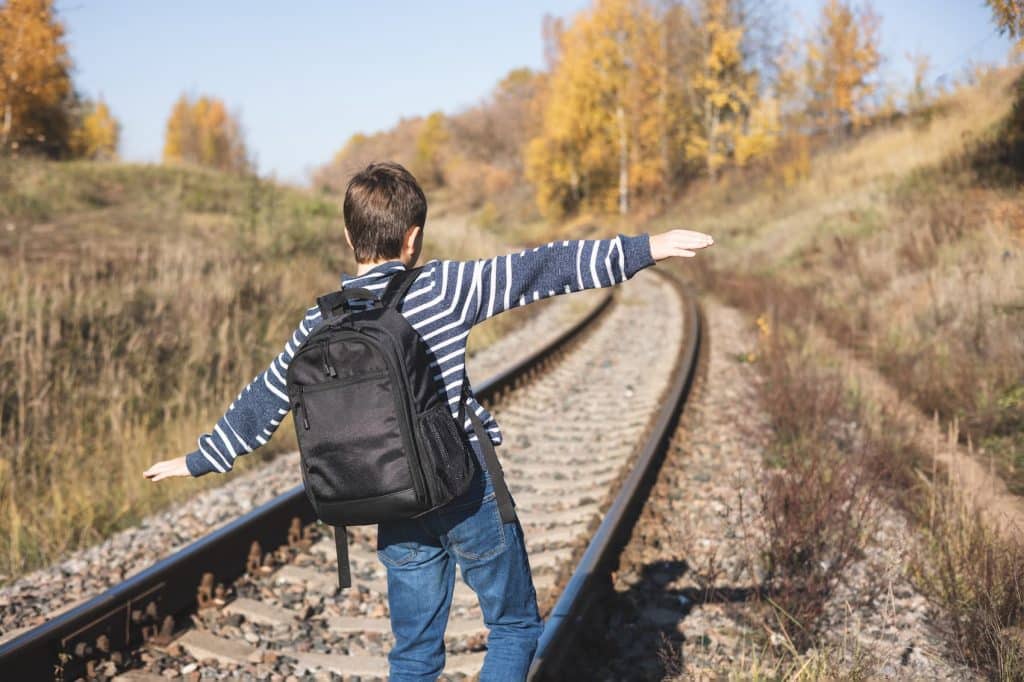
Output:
x=35 y=86
x=599 y=137
x=204 y=133
x=97 y=133
x=180 y=133
x=723 y=89
x=1009 y=17
x=842 y=58
x=497 y=129
x=398 y=144
x=760 y=135
x=430 y=142
x=919 y=95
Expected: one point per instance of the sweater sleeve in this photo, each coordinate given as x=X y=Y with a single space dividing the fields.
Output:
x=498 y=284
x=254 y=415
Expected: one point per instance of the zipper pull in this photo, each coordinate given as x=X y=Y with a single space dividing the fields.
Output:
x=325 y=359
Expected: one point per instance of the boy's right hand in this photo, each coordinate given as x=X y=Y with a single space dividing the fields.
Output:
x=683 y=243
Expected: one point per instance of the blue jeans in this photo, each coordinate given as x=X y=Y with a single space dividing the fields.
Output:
x=420 y=556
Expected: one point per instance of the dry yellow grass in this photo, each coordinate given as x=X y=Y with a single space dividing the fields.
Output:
x=760 y=218
x=138 y=301
x=904 y=251
x=905 y=246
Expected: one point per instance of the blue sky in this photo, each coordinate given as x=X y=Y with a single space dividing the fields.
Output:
x=306 y=75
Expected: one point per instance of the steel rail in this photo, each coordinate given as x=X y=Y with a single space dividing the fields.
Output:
x=592 y=577
x=136 y=609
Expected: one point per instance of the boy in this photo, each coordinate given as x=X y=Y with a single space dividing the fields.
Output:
x=385 y=211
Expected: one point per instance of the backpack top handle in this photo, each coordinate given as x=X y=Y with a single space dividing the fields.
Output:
x=337 y=302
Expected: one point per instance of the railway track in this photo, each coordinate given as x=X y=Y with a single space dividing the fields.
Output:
x=259 y=597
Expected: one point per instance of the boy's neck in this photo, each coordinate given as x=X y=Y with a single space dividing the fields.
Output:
x=363 y=268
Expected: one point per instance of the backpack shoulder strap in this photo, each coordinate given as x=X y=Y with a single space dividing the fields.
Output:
x=341 y=546
x=398 y=286
x=506 y=507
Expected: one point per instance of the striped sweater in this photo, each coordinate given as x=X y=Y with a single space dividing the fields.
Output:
x=442 y=305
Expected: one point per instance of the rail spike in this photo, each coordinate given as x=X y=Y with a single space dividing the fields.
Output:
x=204 y=594
x=295 y=532
x=166 y=633
x=252 y=564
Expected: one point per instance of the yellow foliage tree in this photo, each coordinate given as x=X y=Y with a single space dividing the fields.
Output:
x=204 y=133
x=760 y=134
x=35 y=87
x=723 y=89
x=790 y=86
x=1009 y=17
x=97 y=134
x=430 y=142
x=842 y=57
x=179 y=134
x=680 y=51
x=600 y=134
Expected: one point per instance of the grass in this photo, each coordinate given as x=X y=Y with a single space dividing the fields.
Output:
x=138 y=300
x=906 y=247
x=818 y=495
x=834 y=458
x=977 y=576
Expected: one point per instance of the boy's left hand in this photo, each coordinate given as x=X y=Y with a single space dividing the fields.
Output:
x=674 y=243
x=167 y=468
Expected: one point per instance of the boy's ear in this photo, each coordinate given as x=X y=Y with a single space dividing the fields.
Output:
x=348 y=239
x=410 y=242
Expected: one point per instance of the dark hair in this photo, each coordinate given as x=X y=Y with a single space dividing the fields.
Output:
x=382 y=201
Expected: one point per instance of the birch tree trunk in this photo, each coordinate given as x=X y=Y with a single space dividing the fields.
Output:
x=620 y=117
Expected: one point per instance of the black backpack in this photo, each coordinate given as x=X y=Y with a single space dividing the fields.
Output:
x=377 y=441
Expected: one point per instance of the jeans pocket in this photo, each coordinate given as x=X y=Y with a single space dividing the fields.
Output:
x=476 y=532
x=392 y=549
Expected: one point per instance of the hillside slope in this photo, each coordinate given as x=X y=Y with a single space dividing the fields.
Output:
x=907 y=246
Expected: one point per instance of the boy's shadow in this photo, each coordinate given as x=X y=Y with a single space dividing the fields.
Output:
x=637 y=634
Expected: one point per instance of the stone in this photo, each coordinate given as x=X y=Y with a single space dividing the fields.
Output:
x=464 y=664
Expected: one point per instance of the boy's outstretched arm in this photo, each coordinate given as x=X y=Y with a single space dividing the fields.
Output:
x=250 y=420
x=498 y=284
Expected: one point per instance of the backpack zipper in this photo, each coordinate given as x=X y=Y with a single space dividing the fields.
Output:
x=394 y=364
x=305 y=413
x=326 y=360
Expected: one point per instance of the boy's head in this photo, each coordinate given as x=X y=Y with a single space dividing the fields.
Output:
x=384 y=209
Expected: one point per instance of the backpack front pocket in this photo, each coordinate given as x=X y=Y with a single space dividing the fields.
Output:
x=448 y=457
x=349 y=438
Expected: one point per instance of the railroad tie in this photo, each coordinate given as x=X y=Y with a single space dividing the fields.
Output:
x=139 y=676
x=203 y=645
x=370 y=666
x=260 y=612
